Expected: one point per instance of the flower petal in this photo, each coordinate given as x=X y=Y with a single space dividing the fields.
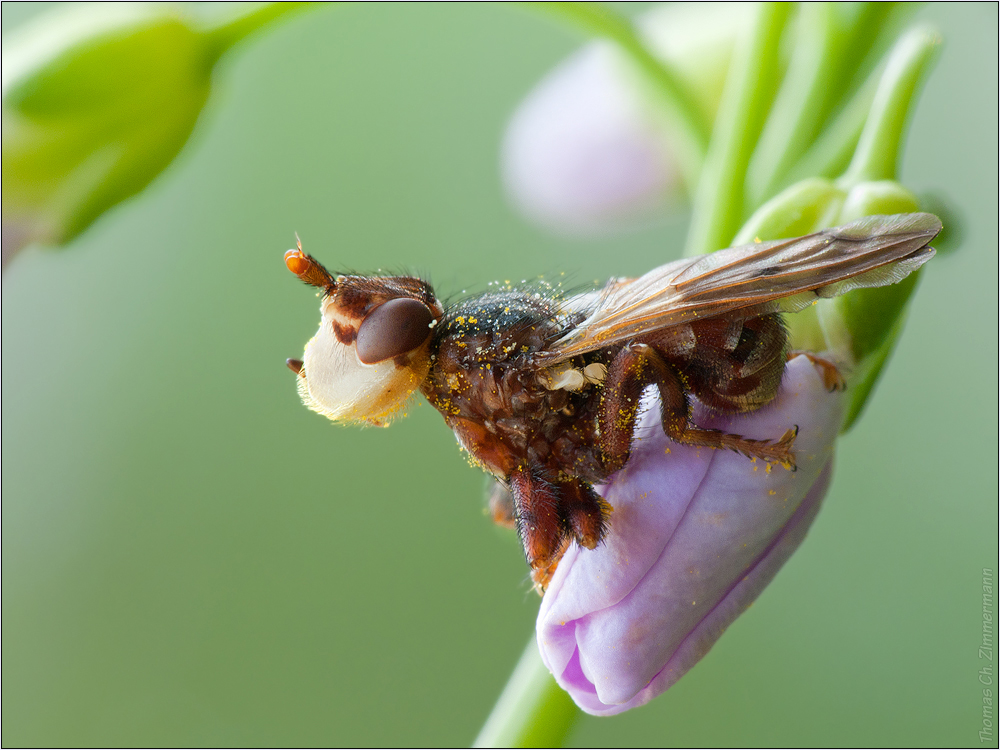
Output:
x=696 y=534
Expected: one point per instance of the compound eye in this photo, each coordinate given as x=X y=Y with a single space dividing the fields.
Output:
x=393 y=328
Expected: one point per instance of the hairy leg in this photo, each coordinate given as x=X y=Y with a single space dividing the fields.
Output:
x=549 y=515
x=639 y=365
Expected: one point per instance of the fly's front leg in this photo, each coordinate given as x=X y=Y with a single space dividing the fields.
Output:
x=639 y=365
x=539 y=523
x=550 y=515
x=623 y=385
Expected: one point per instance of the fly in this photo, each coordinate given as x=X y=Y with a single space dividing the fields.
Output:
x=544 y=393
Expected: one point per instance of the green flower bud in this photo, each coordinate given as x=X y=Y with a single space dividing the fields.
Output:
x=861 y=327
x=803 y=208
x=97 y=100
x=881 y=197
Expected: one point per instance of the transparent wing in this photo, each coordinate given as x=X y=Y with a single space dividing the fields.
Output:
x=750 y=280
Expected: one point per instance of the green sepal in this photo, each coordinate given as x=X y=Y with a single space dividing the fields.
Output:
x=870 y=320
x=803 y=208
x=879 y=197
x=875 y=318
x=861 y=327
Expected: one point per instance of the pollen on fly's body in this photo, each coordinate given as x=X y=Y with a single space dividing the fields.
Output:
x=494 y=312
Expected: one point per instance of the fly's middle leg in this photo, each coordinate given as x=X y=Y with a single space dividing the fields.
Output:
x=639 y=365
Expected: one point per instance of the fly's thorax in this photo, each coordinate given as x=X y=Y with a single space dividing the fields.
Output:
x=500 y=327
x=503 y=409
x=372 y=349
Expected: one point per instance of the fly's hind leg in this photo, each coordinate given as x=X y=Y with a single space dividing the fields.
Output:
x=832 y=378
x=639 y=365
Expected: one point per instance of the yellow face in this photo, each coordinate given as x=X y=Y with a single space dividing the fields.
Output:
x=336 y=383
x=372 y=350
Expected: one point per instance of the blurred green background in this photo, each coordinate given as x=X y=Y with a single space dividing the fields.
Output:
x=190 y=557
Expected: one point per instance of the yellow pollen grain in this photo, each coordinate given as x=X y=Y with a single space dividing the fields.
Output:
x=772 y=492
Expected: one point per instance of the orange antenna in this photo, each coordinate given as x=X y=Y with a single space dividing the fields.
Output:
x=308 y=268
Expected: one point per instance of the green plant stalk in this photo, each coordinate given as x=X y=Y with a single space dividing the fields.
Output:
x=673 y=93
x=873 y=317
x=833 y=42
x=863 y=28
x=877 y=154
x=532 y=711
x=832 y=151
x=717 y=212
x=230 y=32
x=801 y=102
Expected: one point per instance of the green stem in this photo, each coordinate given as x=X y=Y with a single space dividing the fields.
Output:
x=800 y=105
x=834 y=42
x=669 y=86
x=532 y=711
x=877 y=154
x=225 y=35
x=750 y=88
x=833 y=150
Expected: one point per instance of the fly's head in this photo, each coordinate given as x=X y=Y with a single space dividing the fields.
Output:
x=372 y=350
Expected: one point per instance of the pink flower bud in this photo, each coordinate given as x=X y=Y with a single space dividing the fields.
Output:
x=696 y=534
x=590 y=149
x=580 y=153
